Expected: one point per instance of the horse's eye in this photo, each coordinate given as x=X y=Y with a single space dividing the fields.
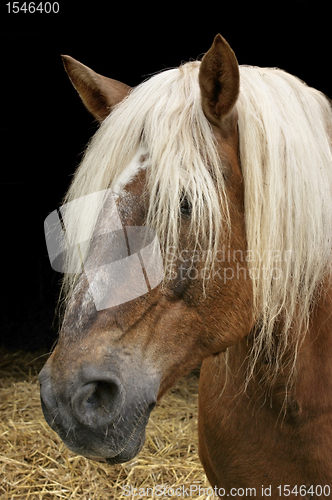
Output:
x=185 y=206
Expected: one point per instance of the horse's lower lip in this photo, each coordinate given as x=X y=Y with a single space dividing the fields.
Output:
x=115 y=460
x=127 y=453
x=122 y=457
x=133 y=445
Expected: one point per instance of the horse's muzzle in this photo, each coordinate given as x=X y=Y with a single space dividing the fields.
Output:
x=100 y=413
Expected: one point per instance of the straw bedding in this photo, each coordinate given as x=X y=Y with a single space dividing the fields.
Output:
x=35 y=464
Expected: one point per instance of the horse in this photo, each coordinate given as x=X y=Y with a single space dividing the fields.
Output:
x=228 y=168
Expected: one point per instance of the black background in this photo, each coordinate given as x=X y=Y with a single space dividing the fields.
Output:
x=44 y=127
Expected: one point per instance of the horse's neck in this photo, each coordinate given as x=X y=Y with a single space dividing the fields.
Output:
x=313 y=384
x=284 y=429
x=309 y=392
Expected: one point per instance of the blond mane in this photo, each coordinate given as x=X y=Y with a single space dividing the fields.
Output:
x=285 y=130
x=285 y=151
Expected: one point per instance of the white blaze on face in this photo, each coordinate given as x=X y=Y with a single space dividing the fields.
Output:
x=138 y=162
x=125 y=275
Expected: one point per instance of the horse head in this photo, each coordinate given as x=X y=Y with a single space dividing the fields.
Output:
x=176 y=171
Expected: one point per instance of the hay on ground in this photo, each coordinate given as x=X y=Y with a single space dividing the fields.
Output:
x=35 y=464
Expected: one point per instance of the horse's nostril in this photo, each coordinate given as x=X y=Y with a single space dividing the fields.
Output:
x=98 y=403
x=151 y=407
x=102 y=395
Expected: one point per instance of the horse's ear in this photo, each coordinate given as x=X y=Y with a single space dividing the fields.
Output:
x=219 y=80
x=98 y=93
